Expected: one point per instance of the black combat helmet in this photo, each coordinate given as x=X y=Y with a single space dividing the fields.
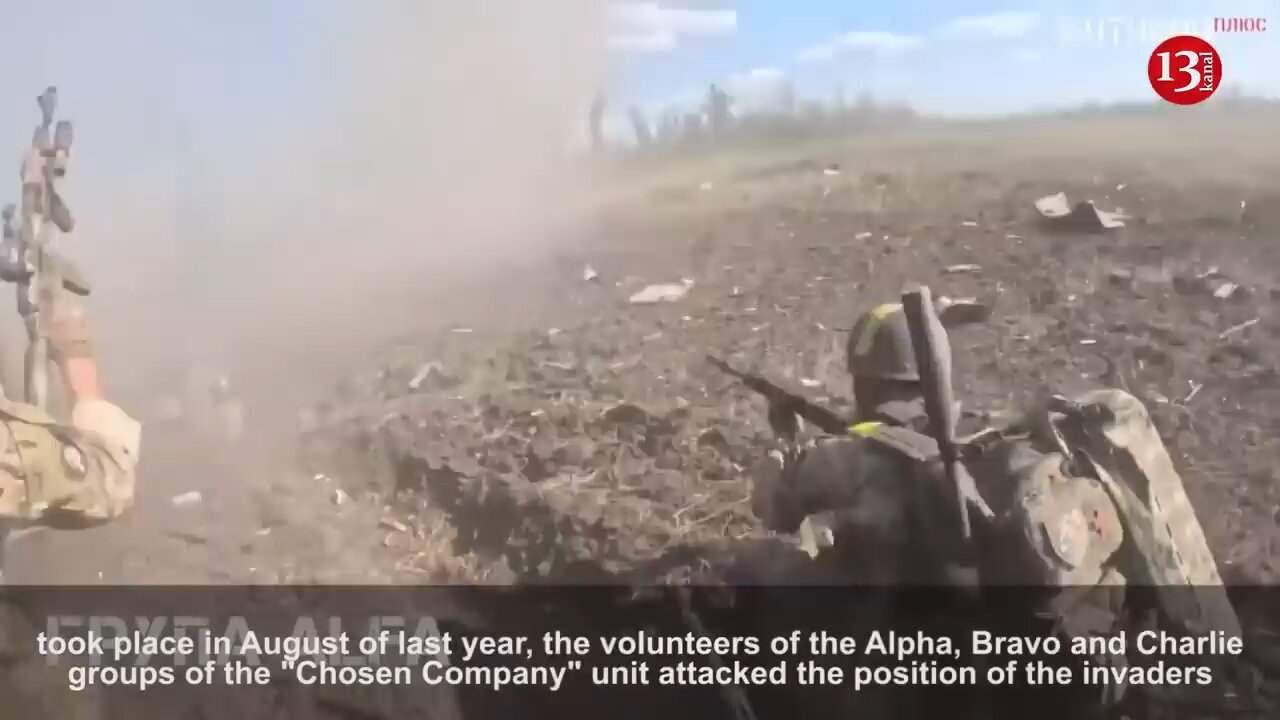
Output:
x=880 y=346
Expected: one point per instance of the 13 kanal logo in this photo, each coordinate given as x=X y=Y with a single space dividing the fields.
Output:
x=1185 y=70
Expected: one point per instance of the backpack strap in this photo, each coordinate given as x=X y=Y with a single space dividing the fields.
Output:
x=902 y=441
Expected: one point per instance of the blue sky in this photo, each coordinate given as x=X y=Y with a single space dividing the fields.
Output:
x=958 y=56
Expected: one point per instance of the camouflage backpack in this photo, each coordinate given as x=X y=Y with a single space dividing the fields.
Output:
x=1108 y=435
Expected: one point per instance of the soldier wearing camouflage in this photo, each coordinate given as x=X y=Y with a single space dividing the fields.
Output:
x=1083 y=493
x=68 y=475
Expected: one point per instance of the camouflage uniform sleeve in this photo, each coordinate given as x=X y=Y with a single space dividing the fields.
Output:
x=832 y=475
x=68 y=476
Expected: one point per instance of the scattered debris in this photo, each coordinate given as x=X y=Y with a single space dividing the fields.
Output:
x=433 y=371
x=393 y=524
x=665 y=292
x=187 y=498
x=1237 y=328
x=954 y=312
x=589 y=273
x=1084 y=216
x=1195 y=389
x=1226 y=290
x=1120 y=276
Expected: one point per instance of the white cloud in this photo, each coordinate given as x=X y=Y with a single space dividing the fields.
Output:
x=649 y=27
x=877 y=43
x=996 y=26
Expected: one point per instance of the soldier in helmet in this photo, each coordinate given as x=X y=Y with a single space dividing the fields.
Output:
x=1078 y=493
x=861 y=478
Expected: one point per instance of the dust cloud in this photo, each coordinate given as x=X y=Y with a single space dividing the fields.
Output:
x=271 y=186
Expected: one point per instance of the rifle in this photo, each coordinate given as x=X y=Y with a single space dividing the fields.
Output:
x=933 y=358
x=784 y=406
x=30 y=261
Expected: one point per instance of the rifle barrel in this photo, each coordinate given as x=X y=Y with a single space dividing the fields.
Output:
x=824 y=418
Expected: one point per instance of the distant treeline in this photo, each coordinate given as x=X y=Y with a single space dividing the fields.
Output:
x=717 y=120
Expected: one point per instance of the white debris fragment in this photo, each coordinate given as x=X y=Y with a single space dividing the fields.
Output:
x=1237 y=328
x=969 y=223
x=962 y=268
x=1195 y=390
x=706 y=185
x=187 y=498
x=1088 y=341
x=340 y=497
x=737 y=291
x=1083 y=215
x=862 y=236
x=831 y=171
x=1121 y=186
x=1011 y=236
x=664 y=292
x=423 y=372
x=462 y=330
x=810 y=382
x=1225 y=290
x=589 y=273
x=392 y=524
